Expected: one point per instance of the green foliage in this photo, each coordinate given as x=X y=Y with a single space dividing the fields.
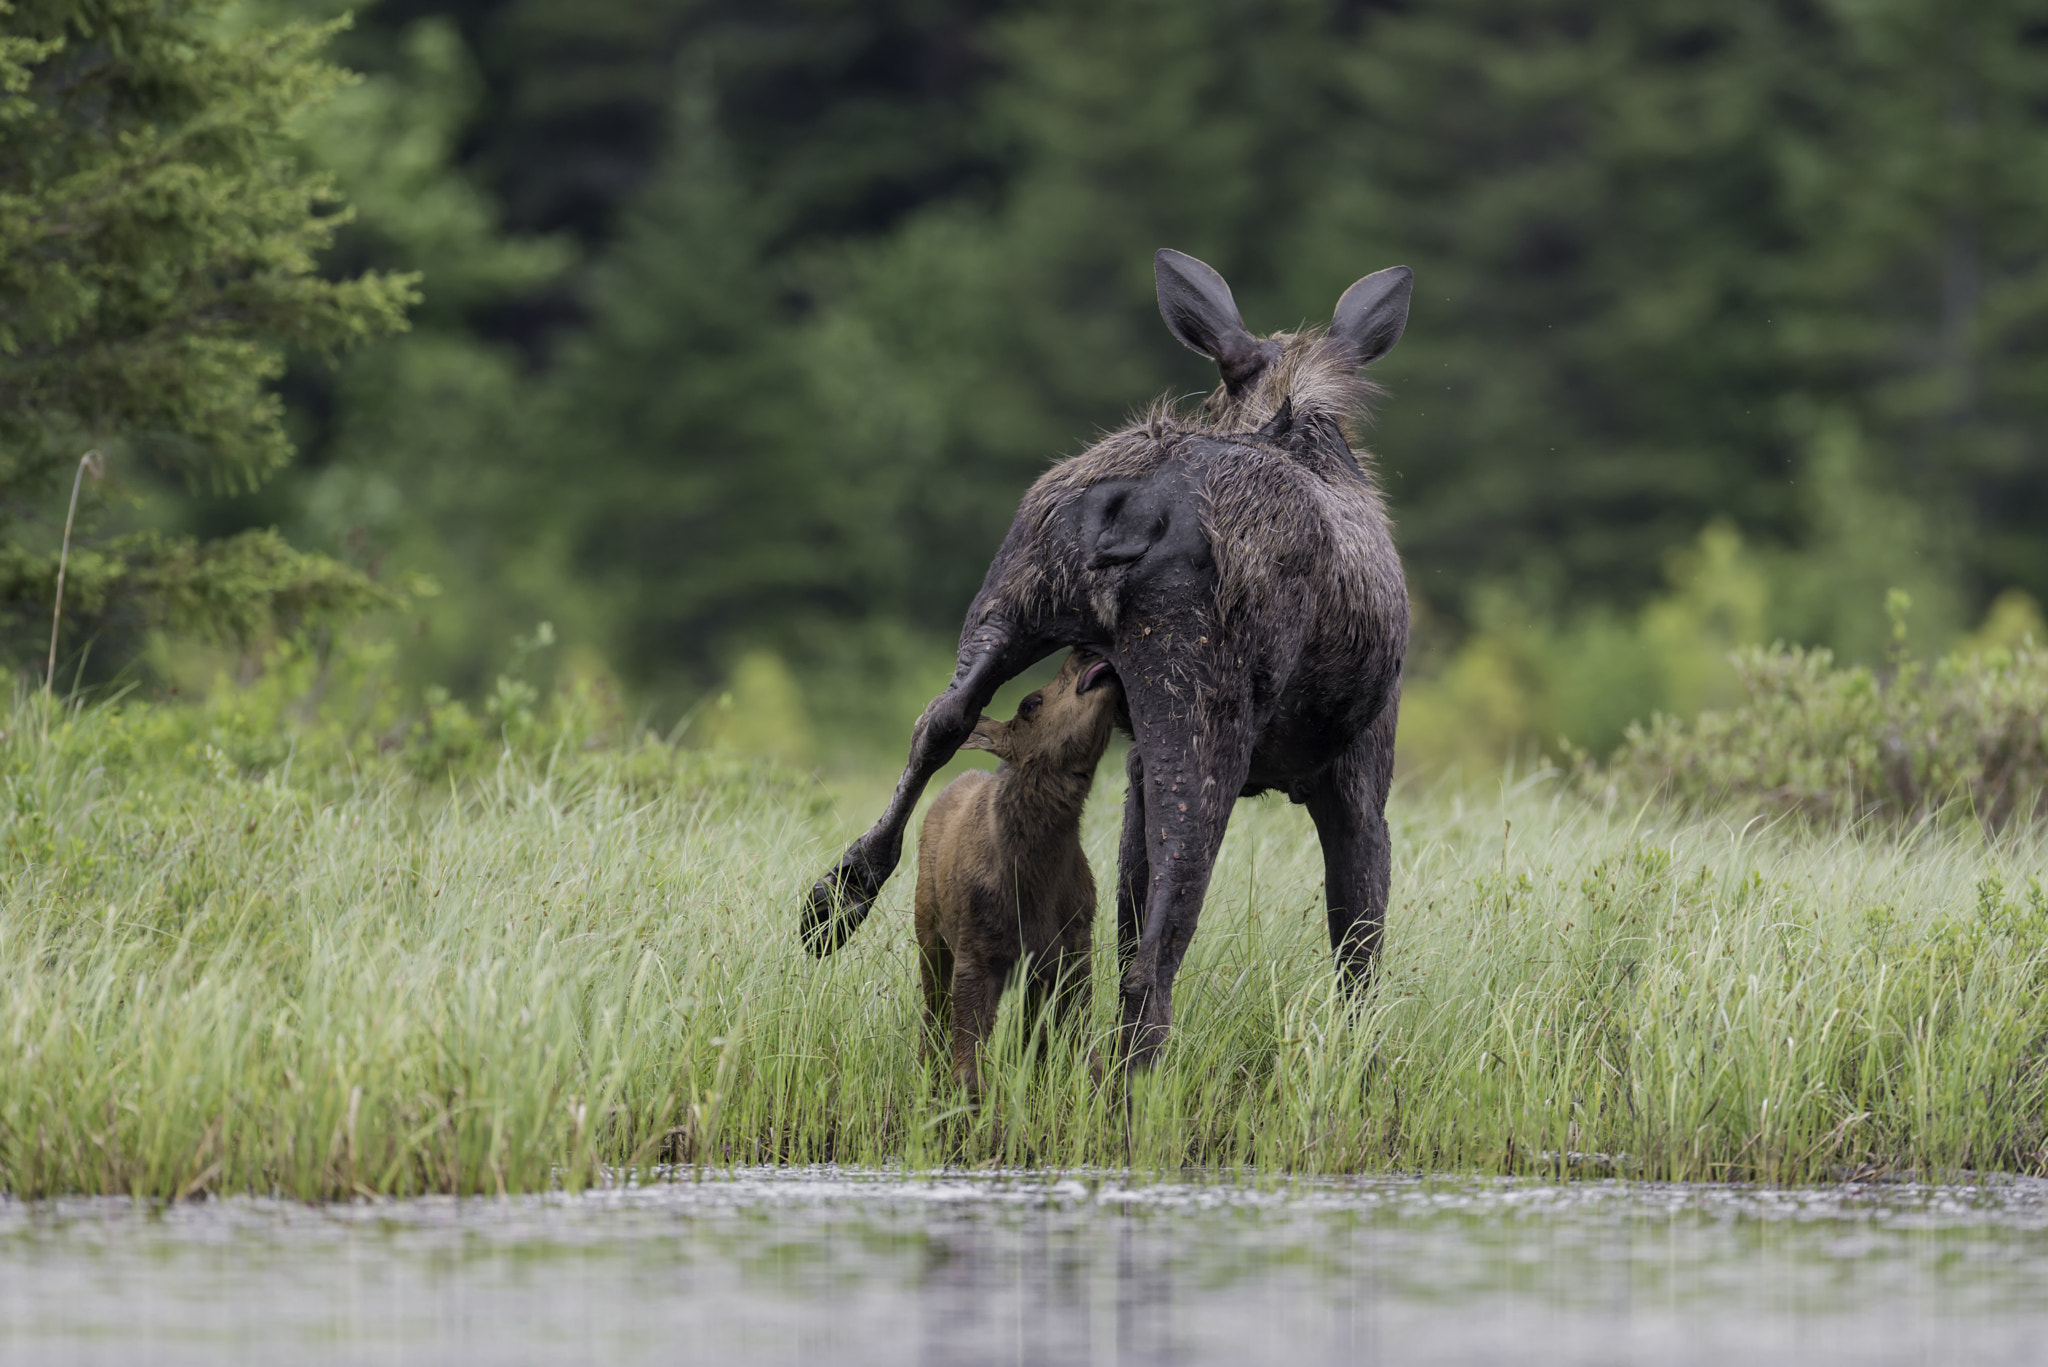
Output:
x=158 y=252
x=1964 y=737
x=1678 y=269
x=1759 y=262
x=699 y=501
x=421 y=461
x=265 y=994
x=332 y=710
x=239 y=587
x=762 y=713
x=854 y=278
x=160 y=241
x=1579 y=683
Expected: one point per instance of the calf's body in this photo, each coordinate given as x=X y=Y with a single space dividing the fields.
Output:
x=1001 y=879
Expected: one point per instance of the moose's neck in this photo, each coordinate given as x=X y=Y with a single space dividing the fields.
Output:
x=1040 y=802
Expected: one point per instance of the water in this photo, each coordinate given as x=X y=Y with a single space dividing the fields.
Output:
x=826 y=1266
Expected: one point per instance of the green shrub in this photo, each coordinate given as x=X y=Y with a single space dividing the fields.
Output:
x=1526 y=676
x=324 y=714
x=1965 y=736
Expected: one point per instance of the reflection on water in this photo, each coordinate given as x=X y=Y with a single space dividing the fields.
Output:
x=826 y=1266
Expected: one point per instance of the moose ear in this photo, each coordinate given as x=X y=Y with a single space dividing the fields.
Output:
x=1198 y=310
x=990 y=735
x=1372 y=313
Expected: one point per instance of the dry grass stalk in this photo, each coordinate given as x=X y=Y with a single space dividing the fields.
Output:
x=91 y=463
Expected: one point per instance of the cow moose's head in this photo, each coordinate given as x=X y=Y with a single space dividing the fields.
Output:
x=1260 y=372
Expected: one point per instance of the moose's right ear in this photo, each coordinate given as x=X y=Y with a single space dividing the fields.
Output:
x=1373 y=313
x=990 y=735
x=1199 y=310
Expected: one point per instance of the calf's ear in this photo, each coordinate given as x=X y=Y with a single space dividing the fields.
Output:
x=1372 y=313
x=990 y=735
x=1199 y=310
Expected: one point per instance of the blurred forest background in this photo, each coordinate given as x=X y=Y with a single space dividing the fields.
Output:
x=741 y=326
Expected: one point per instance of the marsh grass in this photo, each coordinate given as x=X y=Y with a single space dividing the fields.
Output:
x=220 y=978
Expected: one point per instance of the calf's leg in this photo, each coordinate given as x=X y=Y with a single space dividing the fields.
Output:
x=935 y=967
x=977 y=990
x=1071 y=989
x=1073 y=968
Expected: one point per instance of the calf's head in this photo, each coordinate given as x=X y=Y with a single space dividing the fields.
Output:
x=1064 y=725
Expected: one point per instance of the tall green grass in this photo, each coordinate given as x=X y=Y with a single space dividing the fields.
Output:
x=231 y=978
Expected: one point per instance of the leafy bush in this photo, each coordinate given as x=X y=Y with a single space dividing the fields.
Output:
x=1525 y=675
x=322 y=715
x=1965 y=735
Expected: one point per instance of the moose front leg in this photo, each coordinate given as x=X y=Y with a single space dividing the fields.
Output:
x=991 y=654
x=1195 y=764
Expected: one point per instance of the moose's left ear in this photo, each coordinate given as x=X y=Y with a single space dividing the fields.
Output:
x=990 y=735
x=1372 y=313
x=1199 y=310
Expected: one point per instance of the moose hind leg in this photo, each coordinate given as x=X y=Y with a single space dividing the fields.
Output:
x=1133 y=864
x=990 y=656
x=1348 y=803
x=1189 y=794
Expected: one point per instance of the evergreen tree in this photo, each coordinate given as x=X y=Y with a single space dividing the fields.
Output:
x=1583 y=189
x=1910 y=306
x=678 y=466
x=417 y=451
x=158 y=252
x=1763 y=264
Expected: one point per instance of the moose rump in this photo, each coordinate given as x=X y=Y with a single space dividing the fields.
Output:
x=1236 y=567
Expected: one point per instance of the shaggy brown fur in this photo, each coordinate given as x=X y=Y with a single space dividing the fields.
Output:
x=1000 y=873
x=1236 y=567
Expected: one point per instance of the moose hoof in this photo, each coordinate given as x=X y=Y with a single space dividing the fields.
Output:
x=1141 y=1041
x=838 y=903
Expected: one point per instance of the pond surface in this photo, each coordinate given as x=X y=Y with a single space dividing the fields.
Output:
x=827 y=1266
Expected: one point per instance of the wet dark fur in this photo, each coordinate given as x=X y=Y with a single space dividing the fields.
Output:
x=1236 y=566
x=1000 y=872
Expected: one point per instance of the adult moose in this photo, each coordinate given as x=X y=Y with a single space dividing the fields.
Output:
x=1235 y=567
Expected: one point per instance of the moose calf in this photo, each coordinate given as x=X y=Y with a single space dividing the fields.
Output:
x=1000 y=871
